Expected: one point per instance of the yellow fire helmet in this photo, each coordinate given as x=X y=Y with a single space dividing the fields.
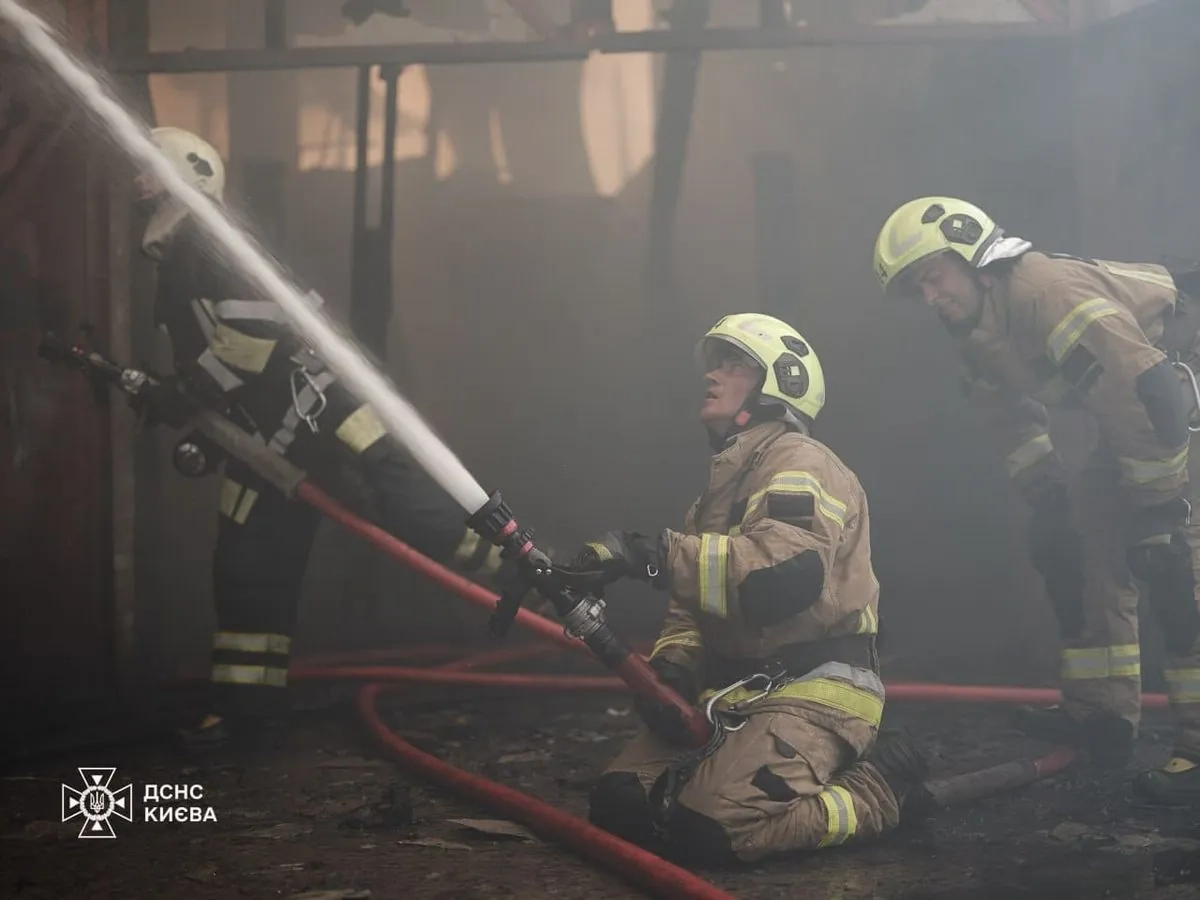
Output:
x=793 y=378
x=930 y=225
x=194 y=158
x=201 y=166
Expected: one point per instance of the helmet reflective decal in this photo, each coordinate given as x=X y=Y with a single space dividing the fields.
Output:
x=791 y=375
x=898 y=247
x=962 y=229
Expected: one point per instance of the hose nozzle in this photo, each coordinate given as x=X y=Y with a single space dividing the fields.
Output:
x=494 y=522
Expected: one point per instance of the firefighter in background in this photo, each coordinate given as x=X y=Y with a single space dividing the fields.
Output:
x=773 y=614
x=1119 y=341
x=234 y=348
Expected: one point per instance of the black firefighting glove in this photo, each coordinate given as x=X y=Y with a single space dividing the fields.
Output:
x=1156 y=548
x=169 y=402
x=625 y=554
x=663 y=720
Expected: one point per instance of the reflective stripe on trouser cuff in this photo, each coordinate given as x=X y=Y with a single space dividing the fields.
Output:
x=252 y=642
x=1121 y=661
x=361 y=429
x=839 y=810
x=685 y=639
x=1183 y=685
x=241 y=351
x=1070 y=329
x=714 y=568
x=1146 y=471
x=269 y=676
x=306 y=399
x=1028 y=454
x=236 y=501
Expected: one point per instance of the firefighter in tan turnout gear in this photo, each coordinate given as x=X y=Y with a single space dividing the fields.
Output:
x=232 y=346
x=1119 y=341
x=772 y=620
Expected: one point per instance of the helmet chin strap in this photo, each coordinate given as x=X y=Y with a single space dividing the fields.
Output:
x=743 y=419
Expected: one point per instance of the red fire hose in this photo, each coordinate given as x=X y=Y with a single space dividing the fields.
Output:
x=656 y=874
x=645 y=868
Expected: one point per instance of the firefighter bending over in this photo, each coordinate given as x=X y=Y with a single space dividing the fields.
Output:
x=1119 y=341
x=233 y=346
x=770 y=579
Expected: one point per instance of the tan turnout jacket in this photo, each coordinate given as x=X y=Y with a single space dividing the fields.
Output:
x=775 y=552
x=1061 y=331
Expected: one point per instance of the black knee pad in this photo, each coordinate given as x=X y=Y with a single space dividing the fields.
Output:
x=618 y=804
x=696 y=839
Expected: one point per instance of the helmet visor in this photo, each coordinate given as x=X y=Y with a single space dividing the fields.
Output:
x=905 y=284
x=715 y=353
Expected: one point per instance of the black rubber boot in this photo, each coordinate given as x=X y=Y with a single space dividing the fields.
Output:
x=1106 y=738
x=213 y=731
x=233 y=732
x=901 y=764
x=1175 y=784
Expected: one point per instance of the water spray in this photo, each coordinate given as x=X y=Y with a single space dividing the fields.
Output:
x=489 y=516
x=241 y=250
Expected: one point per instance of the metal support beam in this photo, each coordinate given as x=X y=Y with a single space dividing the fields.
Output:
x=676 y=105
x=358 y=235
x=275 y=24
x=384 y=238
x=371 y=273
x=650 y=41
x=777 y=233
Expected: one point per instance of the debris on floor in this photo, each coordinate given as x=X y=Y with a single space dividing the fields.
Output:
x=496 y=828
x=325 y=817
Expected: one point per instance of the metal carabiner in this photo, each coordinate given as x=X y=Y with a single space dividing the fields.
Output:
x=1179 y=364
x=711 y=714
x=309 y=418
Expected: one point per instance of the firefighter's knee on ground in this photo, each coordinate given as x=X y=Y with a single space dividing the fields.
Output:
x=618 y=803
x=698 y=839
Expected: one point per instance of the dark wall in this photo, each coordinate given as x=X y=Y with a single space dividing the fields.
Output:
x=56 y=605
x=534 y=348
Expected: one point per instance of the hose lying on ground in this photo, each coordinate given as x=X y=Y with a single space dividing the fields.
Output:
x=659 y=876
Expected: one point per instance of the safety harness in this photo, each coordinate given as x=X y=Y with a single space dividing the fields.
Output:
x=1180 y=328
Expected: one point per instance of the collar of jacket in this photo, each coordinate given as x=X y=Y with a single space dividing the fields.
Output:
x=756 y=434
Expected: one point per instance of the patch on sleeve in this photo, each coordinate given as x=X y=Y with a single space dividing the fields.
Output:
x=1081 y=369
x=794 y=509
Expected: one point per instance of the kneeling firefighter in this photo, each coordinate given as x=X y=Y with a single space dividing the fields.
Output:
x=235 y=349
x=771 y=626
x=1118 y=340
